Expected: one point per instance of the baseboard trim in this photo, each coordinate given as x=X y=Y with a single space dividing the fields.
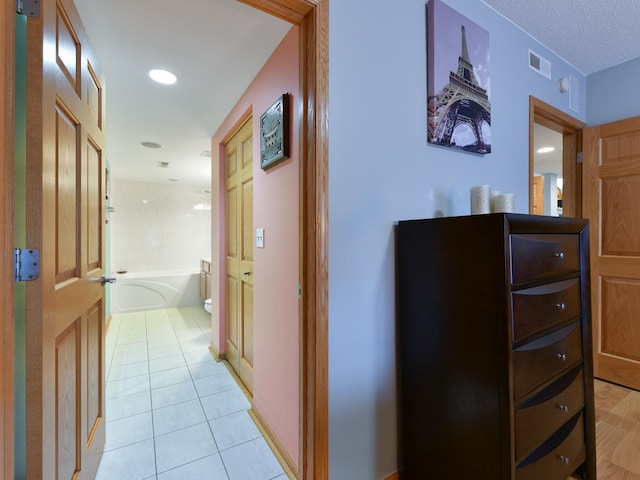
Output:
x=281 y=453
x=393 y=476
x=217 y=357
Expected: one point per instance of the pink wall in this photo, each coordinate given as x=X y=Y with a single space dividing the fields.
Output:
x=276 y=266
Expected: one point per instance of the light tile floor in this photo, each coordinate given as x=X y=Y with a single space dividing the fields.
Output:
x=173 y=412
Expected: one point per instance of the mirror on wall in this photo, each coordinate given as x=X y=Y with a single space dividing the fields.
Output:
x=547 y=171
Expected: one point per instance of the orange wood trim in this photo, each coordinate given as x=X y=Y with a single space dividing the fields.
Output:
x=550 y=116
x=314 y=464
x=293 y=11
x=393 y=476
x=532 y=109
x=7 y=62
x=216 y=356
x=285 y=459
x=313 y=18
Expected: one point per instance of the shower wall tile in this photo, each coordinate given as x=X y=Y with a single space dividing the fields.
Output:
x=156 y=227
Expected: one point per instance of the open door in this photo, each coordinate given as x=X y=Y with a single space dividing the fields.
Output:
x=65 y=222
x=612 y=204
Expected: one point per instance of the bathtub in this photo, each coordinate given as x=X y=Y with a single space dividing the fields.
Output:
x=134 y=292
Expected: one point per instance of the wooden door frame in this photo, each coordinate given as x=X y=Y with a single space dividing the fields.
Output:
x=7 y=86
x=312 y=16
x=571 y=129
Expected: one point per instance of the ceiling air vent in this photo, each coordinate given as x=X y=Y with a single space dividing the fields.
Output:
x=539 y=64
x=163 y=164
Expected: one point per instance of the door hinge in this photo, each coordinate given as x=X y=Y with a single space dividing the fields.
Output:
x=579 y=157
x=30 y=8
x=27 y=264
x=299 y=291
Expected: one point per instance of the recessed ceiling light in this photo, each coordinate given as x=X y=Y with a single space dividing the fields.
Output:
x=545 y=150
x=163 y=76
x=151 y=144
x=173 y=179
x=163 y=164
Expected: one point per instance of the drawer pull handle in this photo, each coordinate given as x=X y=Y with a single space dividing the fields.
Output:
x=561 y=306
x=564 y=459
x=562 y=356
x=559 y=255
x=564 y=408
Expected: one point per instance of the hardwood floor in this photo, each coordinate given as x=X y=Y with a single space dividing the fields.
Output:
x=617 y=432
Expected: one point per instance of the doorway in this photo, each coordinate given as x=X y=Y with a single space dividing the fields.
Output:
x=312 y=17
x=555 y=168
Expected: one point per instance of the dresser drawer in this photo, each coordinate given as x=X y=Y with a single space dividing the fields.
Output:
x=559 y=456
x=543 y=414
x=538 y=361
x=535 y=309
x=535 y=257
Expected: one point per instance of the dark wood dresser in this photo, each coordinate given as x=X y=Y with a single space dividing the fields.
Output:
x=494 y=339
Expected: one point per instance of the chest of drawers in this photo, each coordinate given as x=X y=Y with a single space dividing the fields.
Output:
x=494 y=344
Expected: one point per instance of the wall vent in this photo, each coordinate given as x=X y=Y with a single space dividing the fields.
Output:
x=539 y=64
x=574 y=94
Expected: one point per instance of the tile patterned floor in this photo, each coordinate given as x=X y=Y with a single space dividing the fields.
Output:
x=173 y=413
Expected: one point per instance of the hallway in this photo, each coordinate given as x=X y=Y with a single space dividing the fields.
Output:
x=172 y=411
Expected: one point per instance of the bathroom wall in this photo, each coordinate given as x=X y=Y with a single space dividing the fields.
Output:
x=276 y=266
x=157 y=227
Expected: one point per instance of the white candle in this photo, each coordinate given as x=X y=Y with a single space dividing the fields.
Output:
x=504 y=202
x=480 y=199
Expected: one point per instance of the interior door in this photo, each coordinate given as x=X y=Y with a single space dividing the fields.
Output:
x=612 y=204
x=65 y=222
x=239 y=258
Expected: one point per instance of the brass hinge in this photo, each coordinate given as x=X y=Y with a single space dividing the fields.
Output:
x=30 y=8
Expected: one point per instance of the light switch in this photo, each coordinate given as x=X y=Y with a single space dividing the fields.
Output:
x=260 y=237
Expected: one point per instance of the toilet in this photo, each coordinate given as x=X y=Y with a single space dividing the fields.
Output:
x=207 y=305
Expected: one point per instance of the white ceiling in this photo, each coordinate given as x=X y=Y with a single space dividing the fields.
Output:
x=216 y=47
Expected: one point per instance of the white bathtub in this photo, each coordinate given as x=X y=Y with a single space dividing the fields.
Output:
x=134 y=292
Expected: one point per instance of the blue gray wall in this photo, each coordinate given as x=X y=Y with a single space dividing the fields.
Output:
x=613 y=93
x=381 y=171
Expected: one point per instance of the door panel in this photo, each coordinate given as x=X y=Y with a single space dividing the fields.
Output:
x=239 y=261
x=612 y=203
x=65 y=218
x=67 y=399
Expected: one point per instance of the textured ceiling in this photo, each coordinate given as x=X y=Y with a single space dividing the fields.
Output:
x=215 y=47
x=589 y=34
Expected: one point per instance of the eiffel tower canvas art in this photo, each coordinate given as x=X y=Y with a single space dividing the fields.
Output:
x=458 y=82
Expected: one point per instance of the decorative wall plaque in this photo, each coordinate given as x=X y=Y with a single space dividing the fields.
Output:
x=274 y=133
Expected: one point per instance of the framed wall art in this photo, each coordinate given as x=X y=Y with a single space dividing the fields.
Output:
x=458 y=82
x=274 y=133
